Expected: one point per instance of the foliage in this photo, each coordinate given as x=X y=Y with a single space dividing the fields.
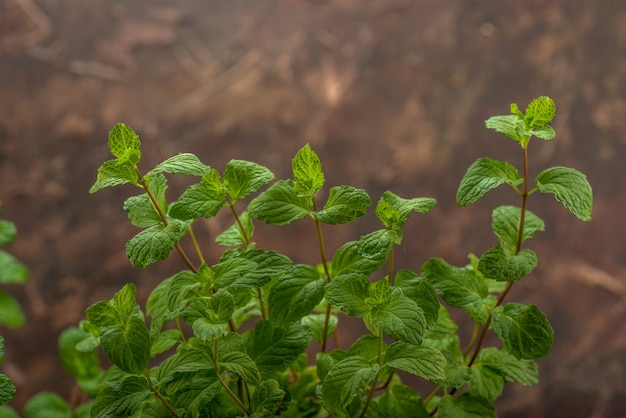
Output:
x=186 y=354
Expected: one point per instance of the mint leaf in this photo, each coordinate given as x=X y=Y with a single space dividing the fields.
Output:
x=242 y=365
x=154 y=243
x=485 y=383
x=465 y=406
x=185 y=163
x=570 y=187
x=268 y=399
x=401 y=318
x=121 y=400
x=508 y=125
x=421 y=291
x=47 y=405
x=315 y=323
x=244 y=177
x=140 y=210
x=279 y=205
x=124 y=144
x=269 y=264
x=295 y=294
x=540 y=112
x=523 y=330
x=459 y=287
x=349 y=292
x=393 y=210
x=8 y=232
x=7 y=391
x=11 y=314
x=420 y=361
x=216 y=308
x=11 y=270
x=237 y=272
x=114 y=173
x=307 y=172
x=512 y=369
x=484 y=175
x=79 y=364
x=504 y=266
x=202 y=200
x=346 y=381
x=345 y=204
x=505 y=223
x=274 y=348
x=127 y=344
x=233 y=236
x=400 y=401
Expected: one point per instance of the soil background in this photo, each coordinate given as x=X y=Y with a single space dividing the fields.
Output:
x=392 y=94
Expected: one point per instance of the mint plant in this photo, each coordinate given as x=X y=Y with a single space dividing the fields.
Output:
x=250 y=333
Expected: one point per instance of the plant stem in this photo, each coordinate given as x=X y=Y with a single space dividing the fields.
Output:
x=155 y=204
x=160 y=397
x=320 y=241
x=390 y=271
x=370 y=395
x=224 y=385
x=242 y=230
x=195 y=245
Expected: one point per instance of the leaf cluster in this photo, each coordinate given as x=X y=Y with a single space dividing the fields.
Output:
x=237 y=336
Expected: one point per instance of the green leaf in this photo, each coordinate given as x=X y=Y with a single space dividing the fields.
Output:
x=508 y=125
x=11 y=314
x=114 y=173
x=8 y=232
x=485 y=383
x=274 y=348
x=316 y=324
x=8 y=412
x=244 y=177
x=124 y=143
x=11 y=270
x=420 y=361
x=346 y=381
x=393 y=210
x=233 y=235
x=127 y=345
x=154 y=243
x=465 y=406
x=121 y=400
x=505 y=223
x=279 y=205
x=540 y=112
x=7 y=389
x=185 y=163
x=269 y=264
x=546 y=133
x=570 y=187
x=182 y=286
x=242 y=365
x=79 y=364
x=202 y=200
x=47 y=405
x=512 y=369
x=459 y=287
x=421 y=291
x=268 y=399
x=484 y=175
x=165 y=340
x=363 y=256
x=188 y=359
x=400 y=401
x=523 y=330
x=295 y=294
x=401 y=318
x=140 y=210
x=500 y=264
x=307 y=172
x=345 y=204
x=216 y=308
x=349 y=292
x=237 y=272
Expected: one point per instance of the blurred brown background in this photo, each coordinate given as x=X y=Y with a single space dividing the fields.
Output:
x=391 y=94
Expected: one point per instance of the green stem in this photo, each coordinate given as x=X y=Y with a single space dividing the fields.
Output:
x=390 y=271
x=195 y=245
x=320 y=242
x=370 y=395
x=155 y=204
x=242 y=230
x=224 y=385
x=160 y=397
